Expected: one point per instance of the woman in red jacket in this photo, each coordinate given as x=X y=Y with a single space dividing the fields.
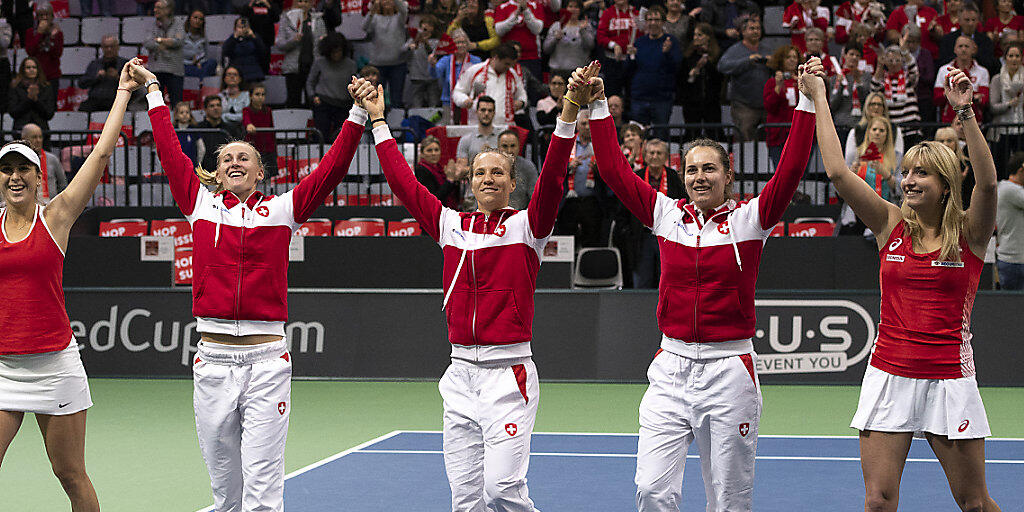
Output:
x=703 y=384
x=40 y=369
x=242 y=370
x=491 y=260
x=780 y=97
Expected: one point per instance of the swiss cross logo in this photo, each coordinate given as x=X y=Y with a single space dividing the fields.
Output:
x=744 y=429
x=282 y=407
x=511 y=429
x=895 y=243
x=500 y=231
x=963 y=426
x=723 y=228
x=262 y=211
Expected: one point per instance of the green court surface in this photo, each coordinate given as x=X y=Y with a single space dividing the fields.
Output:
x=142 y=452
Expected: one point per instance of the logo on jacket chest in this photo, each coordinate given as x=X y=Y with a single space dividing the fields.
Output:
x=723 y=228
x=262 y=210
x=895 y=243
x=511 y=429
x=500 y=230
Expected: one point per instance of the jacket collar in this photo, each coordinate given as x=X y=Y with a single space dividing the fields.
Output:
x=230 y=199
x=691 y=214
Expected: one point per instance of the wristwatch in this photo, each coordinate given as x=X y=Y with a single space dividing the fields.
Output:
x=150 y=82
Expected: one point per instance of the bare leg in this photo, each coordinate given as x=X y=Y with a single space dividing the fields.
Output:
x=963 y=460
x=64 y=437
x=10 y=422
x=882 y=457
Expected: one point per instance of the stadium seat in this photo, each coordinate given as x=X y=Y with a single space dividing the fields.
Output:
x=598 y=267
x=395 y=117
x=213 y=51
x=292 y=118
x=425 y=113
x=277 y=93
x=360 y=226
x=142 y=122
x=219 y=27
x=812 y=226
x=211 y=81
x=404 y=227
x=69 y=121
x=772 y=24
x=315 y=227
x=7 y=123
x=71 y=27
x=19 y=55
x=93 y=29
x=76 y=59
x=135 y=29
x=108 y=194
x=150 y=194
x=123 y=227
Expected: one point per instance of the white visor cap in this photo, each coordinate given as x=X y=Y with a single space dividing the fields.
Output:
x=22 y=150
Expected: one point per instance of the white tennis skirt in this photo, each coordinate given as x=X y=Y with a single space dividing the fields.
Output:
x=48 y=383
x=945 y=407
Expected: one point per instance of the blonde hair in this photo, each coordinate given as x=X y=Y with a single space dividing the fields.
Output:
x=948 y=131
x=888 y=148
x=867 y=117
x=936 y=157
x=508 y=158
x=210 y=178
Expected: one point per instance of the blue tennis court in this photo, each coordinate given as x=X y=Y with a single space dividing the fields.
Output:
x=404 y=470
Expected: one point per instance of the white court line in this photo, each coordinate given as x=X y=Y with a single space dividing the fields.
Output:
x=332 y=458
x=633 y=456
x=360 y=449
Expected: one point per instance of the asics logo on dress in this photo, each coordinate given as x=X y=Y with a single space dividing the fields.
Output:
x=895 y=243
x=963 y=426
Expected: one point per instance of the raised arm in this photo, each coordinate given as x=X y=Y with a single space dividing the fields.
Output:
x=65 y=208
x=310 y=193
x=423 y=206
x=980 y=221
x=547 y=192
x=179 y=169
x=639 y=197
x=878 y=214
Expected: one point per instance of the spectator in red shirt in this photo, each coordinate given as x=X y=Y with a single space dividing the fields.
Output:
x=950 y=21
x=1005 y=20
x=802 y=15
x=258 y=115
x=45 y=42
x=521 y=21
x=615 y=34
x=866 y=12
x=965 y=51
x=924 y=17
x=780 y=96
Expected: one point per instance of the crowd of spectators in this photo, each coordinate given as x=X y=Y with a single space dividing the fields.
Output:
x=502 y=68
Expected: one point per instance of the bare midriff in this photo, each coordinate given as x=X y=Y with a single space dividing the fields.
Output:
x=250 y=339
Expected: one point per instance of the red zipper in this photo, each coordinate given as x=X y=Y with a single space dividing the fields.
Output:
x=696 y=298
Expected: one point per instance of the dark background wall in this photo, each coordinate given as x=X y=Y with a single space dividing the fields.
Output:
x=607 y=336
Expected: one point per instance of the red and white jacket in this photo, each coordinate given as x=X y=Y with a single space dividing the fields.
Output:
x=490 y=261
x=617 y=26
x=979 y=80
x=709 y=264
x=524 y=28
x=240 y=248
x=848 y=13
x=797 y=21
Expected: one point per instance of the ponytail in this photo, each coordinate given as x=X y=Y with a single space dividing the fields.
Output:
x=208 y=178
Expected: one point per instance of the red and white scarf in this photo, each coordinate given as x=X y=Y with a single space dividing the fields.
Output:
x=900 y=79
x=46 y=175
x=572 y=174
x=849 y=88
x=510 y=85
x=663 y=186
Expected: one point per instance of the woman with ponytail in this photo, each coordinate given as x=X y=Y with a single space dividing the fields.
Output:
x=40 y=369
x=242 y=371
x=921 y=378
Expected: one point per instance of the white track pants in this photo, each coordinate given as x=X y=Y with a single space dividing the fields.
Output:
x=242 y=399
x=716 y=402
x=489 y=413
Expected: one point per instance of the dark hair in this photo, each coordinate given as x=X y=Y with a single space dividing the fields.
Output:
x=209 y=98
x=1016 y=44
x=1015 y=163
x=40 y=79
x=714 y=51
x=508 y=131
x=486 y=99
x=257 y=85
x=334 y=41
x=202 y=28
x=579 y=3
x=434 y=22
x=779 y=57
x=504 y=51
x=242 y=85
x=969 y=6
x=855 y=47
x=368 y=70
x=658 y=9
